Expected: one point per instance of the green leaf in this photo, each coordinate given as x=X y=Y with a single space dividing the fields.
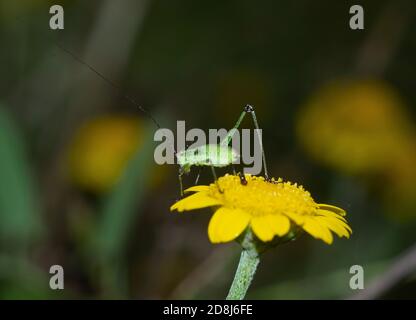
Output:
x=19 y=212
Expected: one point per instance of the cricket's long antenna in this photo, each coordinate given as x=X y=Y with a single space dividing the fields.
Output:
x=111 y=83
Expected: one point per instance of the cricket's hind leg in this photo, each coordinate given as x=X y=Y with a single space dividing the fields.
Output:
x=180 y=174
x=243 y=179
x=226 y=141
x=250 y=109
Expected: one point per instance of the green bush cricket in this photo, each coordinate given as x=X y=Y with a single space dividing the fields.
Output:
x=216 y=155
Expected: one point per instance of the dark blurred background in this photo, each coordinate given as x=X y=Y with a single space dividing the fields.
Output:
x=78 y=183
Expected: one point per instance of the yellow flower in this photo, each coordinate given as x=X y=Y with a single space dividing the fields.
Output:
x=101 y=149
x=355 y=126
x=270 y=208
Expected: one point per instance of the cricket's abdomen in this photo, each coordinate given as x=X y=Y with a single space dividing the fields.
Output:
x=207 y=155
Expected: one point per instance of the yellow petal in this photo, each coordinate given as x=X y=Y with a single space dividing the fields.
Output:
x=195 y=201
x=342 y=222
x=280 y=225
x=297 y=218
x=327 y=213
x=335 y=226
x=262 y=229
x=333 y=216
x=315 y=229
x=197 y=189
x=339 y=230
x=227 y=224
x=332 y=209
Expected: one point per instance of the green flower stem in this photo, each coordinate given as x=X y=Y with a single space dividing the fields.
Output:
x=246 y=269
x=243 y=276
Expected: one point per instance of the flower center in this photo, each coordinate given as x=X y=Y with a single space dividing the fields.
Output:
x=259 y=197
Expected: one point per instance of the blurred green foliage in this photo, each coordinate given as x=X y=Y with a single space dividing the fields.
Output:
x=119 y=213
x=19 y=209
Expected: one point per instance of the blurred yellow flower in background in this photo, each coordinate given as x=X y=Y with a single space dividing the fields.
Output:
x=400 y=189
x=100 y=150
x=270 y=208
x=355 y=126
